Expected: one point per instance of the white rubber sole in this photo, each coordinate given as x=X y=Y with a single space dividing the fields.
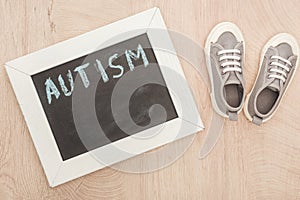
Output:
x=213 y=36
x=274 y=41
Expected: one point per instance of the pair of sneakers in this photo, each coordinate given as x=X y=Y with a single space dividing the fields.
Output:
x=225 y=59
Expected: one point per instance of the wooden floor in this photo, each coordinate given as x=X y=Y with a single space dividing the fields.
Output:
x=249 y=162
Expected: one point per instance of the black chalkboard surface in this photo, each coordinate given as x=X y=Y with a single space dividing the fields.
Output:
x=57 y=104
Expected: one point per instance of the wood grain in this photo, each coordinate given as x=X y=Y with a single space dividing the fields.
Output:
x=249 y=162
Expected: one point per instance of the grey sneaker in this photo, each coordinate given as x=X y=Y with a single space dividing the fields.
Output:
x=278 y=63
x=225 y=55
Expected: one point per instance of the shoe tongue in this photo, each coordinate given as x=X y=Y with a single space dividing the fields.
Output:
x=275 y=85
x=232 y=79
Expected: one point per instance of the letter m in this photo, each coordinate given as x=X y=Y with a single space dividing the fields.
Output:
x=139 y=52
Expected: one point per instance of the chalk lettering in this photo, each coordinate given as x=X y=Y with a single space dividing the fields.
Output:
x=83 y=75
x=140 y=52
x=51 y=89
x=110 y=60
x=63 y=86
x=130 y=55
x=101 y=69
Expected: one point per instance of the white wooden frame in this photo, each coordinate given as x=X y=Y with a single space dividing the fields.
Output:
x=21 y=69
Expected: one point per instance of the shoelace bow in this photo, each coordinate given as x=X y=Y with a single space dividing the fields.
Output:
x=232 y=63
x=278 y=70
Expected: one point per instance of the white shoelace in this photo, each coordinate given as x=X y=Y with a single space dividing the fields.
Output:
x=233 y=59
x=278 y=70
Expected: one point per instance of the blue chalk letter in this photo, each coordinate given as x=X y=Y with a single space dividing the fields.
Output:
x=140 y=51
x=63 y=86
x=51 y=89
x=110 y=60
x=100 y=68
x=83 y=75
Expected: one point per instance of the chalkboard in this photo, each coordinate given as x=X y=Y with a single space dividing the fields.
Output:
x=54 y=88
x=104 y=96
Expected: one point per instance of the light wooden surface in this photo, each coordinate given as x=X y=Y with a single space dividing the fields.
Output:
x=249 y=162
